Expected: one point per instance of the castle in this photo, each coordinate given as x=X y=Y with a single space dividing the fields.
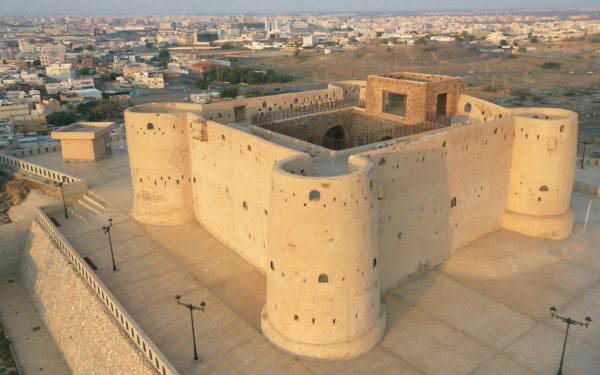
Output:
x=339 y=194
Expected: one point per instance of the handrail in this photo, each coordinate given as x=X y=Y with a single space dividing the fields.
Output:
x=37 y=170
x=159 y=362
x=266 y=118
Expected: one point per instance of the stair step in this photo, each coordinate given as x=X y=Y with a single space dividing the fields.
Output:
x=90 y=195
x=81 y=212
x=89 y=206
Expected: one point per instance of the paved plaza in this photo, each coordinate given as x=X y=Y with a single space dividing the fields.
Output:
x=486 y=310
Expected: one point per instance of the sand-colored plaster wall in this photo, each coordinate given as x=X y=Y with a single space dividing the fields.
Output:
x=160 y=166
x=231 y=178
x=353 y=89
x=543 y=171
x=224 y=112
x=323 y=275
x=415 y=183
x=479 y=109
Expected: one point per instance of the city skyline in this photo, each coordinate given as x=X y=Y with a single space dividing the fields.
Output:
x=77 y=7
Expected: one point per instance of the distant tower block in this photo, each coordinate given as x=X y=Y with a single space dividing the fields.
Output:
x=323 y=275
x=158 y=144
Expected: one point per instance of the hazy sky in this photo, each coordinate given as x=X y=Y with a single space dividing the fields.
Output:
x=43 y=7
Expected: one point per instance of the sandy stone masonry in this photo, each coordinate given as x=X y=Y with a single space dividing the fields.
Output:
x=331 y=242
x=93 y=344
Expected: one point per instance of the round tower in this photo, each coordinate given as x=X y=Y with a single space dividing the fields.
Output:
x=543 y=172
x=157 y=140
x=323 y=294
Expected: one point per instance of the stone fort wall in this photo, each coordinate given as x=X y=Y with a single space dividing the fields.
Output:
x=409 y=206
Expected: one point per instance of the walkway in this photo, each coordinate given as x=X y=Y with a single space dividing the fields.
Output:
x=34 y=347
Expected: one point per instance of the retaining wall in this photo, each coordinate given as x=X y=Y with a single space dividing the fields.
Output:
x=92 y=330
x=12 y=242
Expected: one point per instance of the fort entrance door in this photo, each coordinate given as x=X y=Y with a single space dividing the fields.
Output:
x=441 y=104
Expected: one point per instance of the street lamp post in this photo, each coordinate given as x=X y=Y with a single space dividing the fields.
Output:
x=63 y=199
x=107 y=231
x=585 y=143
x=192 y=308
x=569 y=321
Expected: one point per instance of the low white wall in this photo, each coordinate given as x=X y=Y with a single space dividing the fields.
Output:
x=73 y=187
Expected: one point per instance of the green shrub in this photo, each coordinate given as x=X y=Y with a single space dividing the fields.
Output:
x=551 y=65
x=513 y=56
x=471 y=84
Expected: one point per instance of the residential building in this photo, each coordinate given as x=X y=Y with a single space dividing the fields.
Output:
x=61 y=72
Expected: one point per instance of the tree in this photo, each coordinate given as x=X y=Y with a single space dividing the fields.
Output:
x=229 y=92
x=534 y=39
x=164 y=55
x=109 y=76
x=515 y=43
x=149 y=45
x=378 y=34
x=84 y=72
x=60 y=118
x=89 y=47
x=421 y=40
x=105 y=96
x=70 y=108
x=36 y=62
x=201 y=84
x=107 y=108
x=227 y=46
x=504 y=42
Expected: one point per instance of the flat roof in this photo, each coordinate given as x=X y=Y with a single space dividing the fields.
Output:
x=84 y=130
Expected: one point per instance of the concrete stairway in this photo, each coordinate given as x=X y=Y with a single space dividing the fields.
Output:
x=87 y=207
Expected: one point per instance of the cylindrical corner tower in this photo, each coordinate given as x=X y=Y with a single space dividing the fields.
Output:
x=323 y=268
x=543 y=172
x=157 y=140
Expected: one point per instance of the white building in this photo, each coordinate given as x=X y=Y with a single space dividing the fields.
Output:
x=309 y=41
x=61 y=72
x=81 y=83
x=271 y=25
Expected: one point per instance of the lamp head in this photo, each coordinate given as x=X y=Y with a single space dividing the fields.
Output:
x=202 y=304
x=588 y=320
x=178 y=297
x=552 y=311
x=110 y=220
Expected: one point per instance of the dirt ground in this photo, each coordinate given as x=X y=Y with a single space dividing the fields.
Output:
x=570 y=86
x=13 y=191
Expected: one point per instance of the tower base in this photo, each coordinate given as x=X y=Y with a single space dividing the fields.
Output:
x=555 y=227
x=338 y=350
